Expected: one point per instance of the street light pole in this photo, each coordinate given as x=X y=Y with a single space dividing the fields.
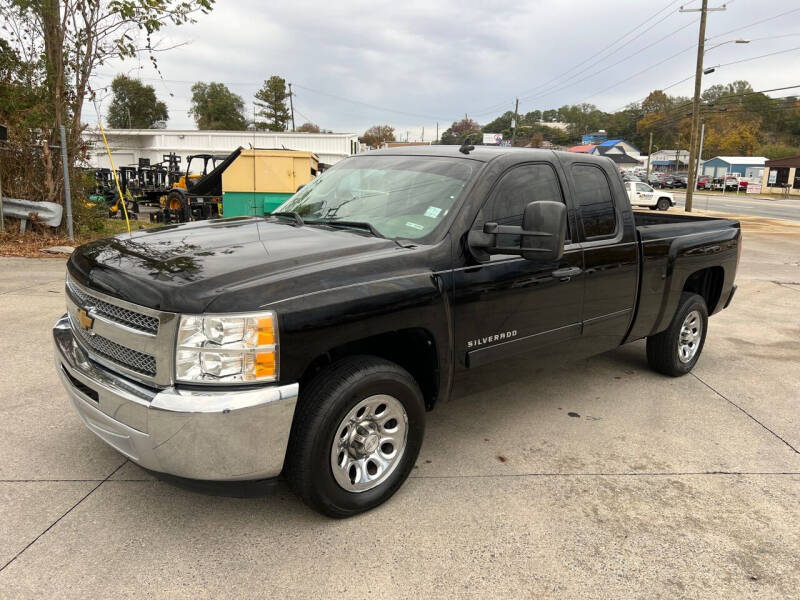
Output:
x=516 y=122
x=291 y=104
x=698 y=80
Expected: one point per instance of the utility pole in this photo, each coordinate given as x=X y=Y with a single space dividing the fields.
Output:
x=67 y=194
x=3 y=138
x=437 y=132
x=516 y=122
x=698 y=79
x=291 y=105
x=649 y=152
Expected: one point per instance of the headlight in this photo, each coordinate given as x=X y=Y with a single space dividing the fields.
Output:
x=227 y=348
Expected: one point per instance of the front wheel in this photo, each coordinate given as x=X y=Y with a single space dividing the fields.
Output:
x=662 y=204
x=676 y=350
x=356 y=435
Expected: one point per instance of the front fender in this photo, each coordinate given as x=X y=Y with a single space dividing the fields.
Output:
x=313 y=324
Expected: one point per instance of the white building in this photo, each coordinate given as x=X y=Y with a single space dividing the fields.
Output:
x=129 y=145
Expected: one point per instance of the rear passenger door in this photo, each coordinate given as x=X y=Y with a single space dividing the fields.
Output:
x=608 y=238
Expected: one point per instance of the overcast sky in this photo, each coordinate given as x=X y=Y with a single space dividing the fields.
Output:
x=356 y=63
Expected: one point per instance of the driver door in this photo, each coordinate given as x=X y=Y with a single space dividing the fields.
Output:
x=644 y=195
x=510 y=306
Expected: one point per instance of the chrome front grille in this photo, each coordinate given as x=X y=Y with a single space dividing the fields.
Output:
x=113 y=312
x=126 y=357
x=128 y=338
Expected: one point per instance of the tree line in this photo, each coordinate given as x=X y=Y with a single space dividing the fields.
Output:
x=738 y=121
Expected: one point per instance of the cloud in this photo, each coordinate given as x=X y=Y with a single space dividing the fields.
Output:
x=413 y=63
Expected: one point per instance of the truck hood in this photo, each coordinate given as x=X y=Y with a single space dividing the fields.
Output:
x=196 y=267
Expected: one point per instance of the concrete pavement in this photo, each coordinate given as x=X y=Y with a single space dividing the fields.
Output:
x=598 y=479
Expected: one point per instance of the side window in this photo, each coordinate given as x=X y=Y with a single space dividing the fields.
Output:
x=641 y=187
x=518 y=188
x=594 y=200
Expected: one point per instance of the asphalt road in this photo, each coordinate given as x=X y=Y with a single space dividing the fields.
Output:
x=788 y=209
x=598 y=479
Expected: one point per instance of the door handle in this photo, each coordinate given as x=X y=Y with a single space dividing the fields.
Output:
x=566 y=273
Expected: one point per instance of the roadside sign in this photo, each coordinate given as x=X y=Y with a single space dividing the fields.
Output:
x=773 y=177
x=492 y=138
x=754 y=188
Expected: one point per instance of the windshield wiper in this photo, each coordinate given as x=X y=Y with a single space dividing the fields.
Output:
x=362 y=225
x=298 y=220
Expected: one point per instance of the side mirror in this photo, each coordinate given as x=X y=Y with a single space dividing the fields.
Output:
x=542 y=235
x=549 y=220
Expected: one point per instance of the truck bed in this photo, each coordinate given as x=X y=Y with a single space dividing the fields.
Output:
x=653 y=225
x=673 y=247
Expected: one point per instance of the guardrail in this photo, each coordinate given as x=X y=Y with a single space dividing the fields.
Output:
x=48 y=213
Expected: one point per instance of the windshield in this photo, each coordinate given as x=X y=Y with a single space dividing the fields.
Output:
x=402 y=197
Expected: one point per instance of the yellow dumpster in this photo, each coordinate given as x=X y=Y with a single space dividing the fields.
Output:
x=258 y=181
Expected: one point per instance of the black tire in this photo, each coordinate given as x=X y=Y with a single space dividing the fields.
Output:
x=322 y=407
x=662 y=348
x=662 y=204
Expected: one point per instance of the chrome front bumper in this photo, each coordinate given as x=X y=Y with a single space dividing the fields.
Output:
x=212 y=434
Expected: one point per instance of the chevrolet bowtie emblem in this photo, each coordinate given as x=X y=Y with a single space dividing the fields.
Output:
x=85 y=320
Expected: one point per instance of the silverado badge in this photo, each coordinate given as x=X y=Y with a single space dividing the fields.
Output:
x=85 y=320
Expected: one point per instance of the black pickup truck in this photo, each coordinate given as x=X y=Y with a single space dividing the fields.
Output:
x=311 y=343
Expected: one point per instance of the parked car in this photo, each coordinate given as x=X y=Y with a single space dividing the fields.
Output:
x=717 y=183
x=313 y=341
x=732 y=183
x=641 y=194
x=630 y=177
x=681 y=179
x=669 y=181
x=655 y=178
x=704 y=182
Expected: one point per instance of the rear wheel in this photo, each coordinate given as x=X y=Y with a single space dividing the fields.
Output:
x=676 y=350
x=357 y=431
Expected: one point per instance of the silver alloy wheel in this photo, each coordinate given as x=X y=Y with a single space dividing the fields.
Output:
x=690 y=336
x=369 y=443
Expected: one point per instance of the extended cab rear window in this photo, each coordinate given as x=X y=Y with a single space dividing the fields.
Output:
x=595 y=201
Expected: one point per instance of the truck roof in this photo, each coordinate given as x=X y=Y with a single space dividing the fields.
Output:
x=486 y=153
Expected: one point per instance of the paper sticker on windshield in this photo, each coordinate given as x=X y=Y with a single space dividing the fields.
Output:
x=433 y=212
x=414 y=225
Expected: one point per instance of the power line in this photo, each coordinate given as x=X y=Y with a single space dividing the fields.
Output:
x=693 y=46
x=611 y=66
x=794 y=10
x=383 y=108
x=590 y=58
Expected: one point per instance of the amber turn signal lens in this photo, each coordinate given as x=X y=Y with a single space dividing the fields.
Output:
x=265 y=364
x=266 y=332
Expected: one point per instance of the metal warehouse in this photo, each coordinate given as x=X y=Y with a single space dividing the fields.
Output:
x=129 y=145
x=746 y=166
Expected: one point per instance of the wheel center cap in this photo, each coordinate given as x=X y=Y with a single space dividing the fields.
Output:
x=371 y=443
